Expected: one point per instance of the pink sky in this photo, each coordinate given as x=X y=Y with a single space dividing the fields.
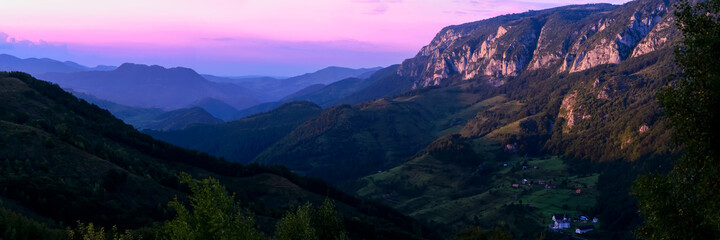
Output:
x=239 y=37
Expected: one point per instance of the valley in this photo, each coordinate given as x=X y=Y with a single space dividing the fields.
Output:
x=532 y=125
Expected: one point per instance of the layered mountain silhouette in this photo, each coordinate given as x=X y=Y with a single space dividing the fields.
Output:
x=153 y=118
x=154 y=87
x=65 y=160
x=381 y=83
x=615 y=56
x=444 y=135
x=37 y=66
x=280 y=88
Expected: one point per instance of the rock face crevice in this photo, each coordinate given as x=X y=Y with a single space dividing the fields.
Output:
x=572 y=39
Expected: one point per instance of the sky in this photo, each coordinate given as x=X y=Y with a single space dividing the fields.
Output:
x=240 y=37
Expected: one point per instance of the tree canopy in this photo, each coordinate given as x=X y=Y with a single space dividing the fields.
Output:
x=685 y=203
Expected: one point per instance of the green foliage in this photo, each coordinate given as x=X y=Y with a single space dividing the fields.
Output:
x=328 y=224
x=19 y=227
x=499 y=232
x=685 y=203
x=90 y=232
x=297 y=225
x=214 y=214
x=310 y=223
x=471 y=233
x=454 y=149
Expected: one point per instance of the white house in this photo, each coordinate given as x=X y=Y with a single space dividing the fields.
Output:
x=584 y=229
x=562 y=221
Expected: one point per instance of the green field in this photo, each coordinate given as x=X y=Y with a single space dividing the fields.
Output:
x=438 y=192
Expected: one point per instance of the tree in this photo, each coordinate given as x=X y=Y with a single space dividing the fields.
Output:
x=471 y=233
x=297 y=225
x=307 y=222
x=215 y=214
x=685 y=203
x=89 y=232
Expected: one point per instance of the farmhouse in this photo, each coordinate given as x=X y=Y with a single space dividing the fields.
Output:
x=562 y=221
x=584 y=229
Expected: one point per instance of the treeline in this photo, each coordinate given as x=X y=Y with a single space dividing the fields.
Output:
x=210 y=213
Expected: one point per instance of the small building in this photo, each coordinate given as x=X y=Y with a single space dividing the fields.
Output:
x=584 y=229
x=550 y=185
x=515 y=185
x=595 y=220
x=541 y=182
x=562 y=221
x=578 y=191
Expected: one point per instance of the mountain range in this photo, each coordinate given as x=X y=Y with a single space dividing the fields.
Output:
x=505 y=120
x=280 y=88
x=574 y=83
x=65 y=160
x=153 y=87
x=38 y=66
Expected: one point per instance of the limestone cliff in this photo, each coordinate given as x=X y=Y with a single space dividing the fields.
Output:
x=572 y=39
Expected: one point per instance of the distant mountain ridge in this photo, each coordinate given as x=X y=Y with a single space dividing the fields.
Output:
x=153 y=118
x=154 y=86
x=380 y=83
x=37 y=66
x=280 y=88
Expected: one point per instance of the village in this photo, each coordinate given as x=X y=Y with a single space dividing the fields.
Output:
x=532 y=184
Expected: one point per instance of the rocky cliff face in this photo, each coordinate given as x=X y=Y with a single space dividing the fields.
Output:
x=572 y=39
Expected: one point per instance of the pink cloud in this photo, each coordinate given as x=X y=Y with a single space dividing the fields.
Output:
x=240 y=30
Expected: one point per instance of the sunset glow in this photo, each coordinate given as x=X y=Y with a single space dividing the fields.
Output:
x=237 y=37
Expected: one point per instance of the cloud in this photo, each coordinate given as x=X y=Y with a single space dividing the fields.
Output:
x=375 y=7
x=25 y=48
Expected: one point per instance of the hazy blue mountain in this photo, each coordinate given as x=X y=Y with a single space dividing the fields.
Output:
x=279 y=88
x=217 y=108
x=381 y=83
x=37 y=66
x=260 y=108
x=182 y=118
x=238 y=80
x=154 y=87
x=153 y=118
x=307 y=90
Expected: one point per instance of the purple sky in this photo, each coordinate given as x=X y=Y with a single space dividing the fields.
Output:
x=240 y=37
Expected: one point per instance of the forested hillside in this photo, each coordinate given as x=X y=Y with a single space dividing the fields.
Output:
x=65 y=160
